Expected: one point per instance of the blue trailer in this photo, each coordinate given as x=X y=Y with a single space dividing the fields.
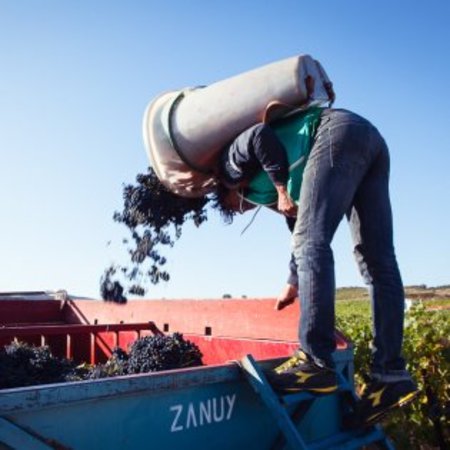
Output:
x=226 y=404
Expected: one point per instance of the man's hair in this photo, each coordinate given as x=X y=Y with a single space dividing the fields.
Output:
x=218 y=203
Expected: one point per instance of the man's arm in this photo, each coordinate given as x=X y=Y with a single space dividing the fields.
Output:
x=290 y=290
x=272 y=156
x=254 y=149
x=293 y=273
x=285 y=203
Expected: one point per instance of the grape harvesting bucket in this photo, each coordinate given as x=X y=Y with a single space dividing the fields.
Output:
x=184 y=131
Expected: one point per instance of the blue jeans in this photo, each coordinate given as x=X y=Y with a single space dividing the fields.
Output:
x=347 y=174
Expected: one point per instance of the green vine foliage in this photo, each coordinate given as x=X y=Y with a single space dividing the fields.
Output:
x=425 y=424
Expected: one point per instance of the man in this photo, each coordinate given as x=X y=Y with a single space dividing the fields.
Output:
x=257 y=148
x=342 y=168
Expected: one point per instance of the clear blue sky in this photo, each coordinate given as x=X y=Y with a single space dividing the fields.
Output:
x=75 y=78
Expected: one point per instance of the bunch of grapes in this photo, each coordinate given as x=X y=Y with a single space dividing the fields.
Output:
x=149 y=354
x=116 y=365
x=23 y=364
x=26 y=365
x=161 y=352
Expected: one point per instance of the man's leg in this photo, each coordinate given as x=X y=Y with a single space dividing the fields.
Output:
x=370 y=221
x=338 y=162
x=335 y=167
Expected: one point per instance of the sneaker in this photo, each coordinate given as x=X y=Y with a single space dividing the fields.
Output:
x=298 y=357
x=300 y=373
x=379 y=398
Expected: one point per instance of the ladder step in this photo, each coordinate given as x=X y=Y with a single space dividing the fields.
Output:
x=277 y=405
x=297 y=397
x=279 y=413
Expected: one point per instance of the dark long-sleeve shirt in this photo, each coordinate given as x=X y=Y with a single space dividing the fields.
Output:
x=254 y=149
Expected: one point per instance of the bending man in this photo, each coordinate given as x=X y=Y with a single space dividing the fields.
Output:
x=339 y=167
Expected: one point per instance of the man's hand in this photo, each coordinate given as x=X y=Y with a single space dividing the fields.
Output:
x=287 y=296
x=285 y=205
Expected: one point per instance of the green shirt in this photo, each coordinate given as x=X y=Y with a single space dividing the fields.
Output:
x=295 y=133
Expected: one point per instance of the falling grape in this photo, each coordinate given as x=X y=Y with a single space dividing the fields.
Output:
x=154 y=217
